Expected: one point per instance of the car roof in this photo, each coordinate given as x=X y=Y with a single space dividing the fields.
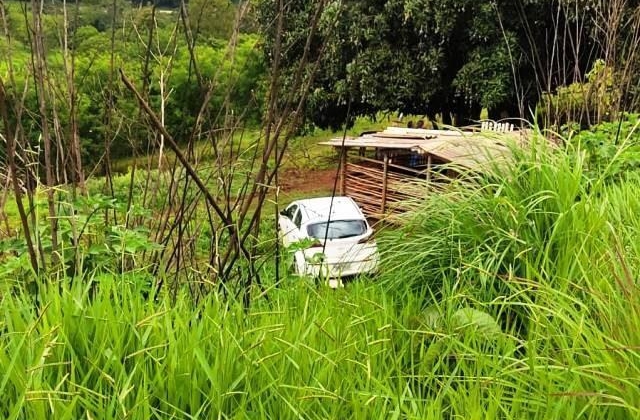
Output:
x=317 y=209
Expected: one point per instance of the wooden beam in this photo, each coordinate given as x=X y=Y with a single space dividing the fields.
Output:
x=343 y=170
x=385 y=172
x=429 y=168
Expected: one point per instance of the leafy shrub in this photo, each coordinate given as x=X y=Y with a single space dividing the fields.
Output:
x=591 y=102
x=612 y=148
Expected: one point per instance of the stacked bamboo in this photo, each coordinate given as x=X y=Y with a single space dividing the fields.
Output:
x=376 y=191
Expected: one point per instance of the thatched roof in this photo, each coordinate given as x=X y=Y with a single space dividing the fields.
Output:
x=471 y=150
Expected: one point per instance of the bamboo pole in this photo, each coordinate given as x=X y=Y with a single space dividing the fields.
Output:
x=343 y=170
x=429 y=168
x=385 y=172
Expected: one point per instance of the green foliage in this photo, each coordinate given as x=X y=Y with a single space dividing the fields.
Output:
x=543 y=251
x=419 y=56
x=511 y=295
x=501 y=224
x=212 y=18
x=103 y=348
x=526 y=308
x=90 y=240
x=106 y=112
x=486 y=78
x=545 y=217
x=612 y=148
x=586 y=103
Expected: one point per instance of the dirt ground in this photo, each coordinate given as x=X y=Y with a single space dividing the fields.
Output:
x=301 y=181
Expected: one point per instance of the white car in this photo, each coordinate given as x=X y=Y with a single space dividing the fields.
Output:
x=334 y=239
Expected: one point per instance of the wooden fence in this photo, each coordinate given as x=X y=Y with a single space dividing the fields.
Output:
x=381 y=188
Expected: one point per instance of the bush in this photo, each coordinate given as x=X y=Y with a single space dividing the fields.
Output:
x=595 y=100
x=612 y=148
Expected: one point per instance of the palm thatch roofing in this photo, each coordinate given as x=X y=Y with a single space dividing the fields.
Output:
x=471 y=150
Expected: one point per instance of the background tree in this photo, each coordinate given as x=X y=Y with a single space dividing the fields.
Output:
x=212 y=18
x=452 y=57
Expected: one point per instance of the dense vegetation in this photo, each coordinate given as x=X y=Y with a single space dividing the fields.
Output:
x=455 y=57
x=512 y=296
x=149 y=45
x=438 y=58
x=162 y=292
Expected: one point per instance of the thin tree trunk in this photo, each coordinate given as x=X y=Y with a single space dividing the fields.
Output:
x=110 y=132
x=38 y=54
x=74 y=138
x=11 y=152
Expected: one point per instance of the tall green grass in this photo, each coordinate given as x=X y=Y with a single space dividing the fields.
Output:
x=307 y=352
x=312 y=353
x=552 y=254
x=513 y=296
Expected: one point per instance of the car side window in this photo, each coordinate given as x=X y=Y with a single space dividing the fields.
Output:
x=290 y=212
x=298 y=219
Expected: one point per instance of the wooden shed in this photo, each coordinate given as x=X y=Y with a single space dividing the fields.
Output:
x=378 y=169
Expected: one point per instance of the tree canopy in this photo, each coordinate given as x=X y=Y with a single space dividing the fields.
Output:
x=238 y=83
x=426 y=56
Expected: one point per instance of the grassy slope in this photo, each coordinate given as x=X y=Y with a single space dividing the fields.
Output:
x=513 y=297
x=303 y=154
x=303 y=151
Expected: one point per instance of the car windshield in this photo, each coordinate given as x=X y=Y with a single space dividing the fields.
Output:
x=337 y=229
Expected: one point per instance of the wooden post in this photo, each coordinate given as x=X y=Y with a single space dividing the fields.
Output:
x=385 y=171
x=343 y=170
x=429 y=168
